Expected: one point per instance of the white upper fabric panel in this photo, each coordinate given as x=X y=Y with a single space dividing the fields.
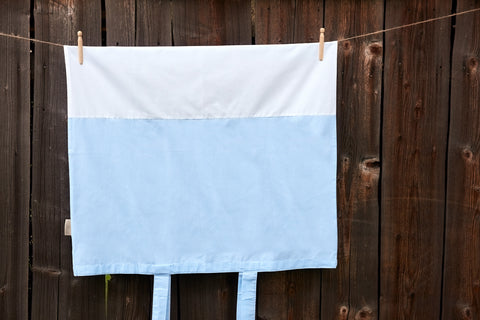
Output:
x=205 y=83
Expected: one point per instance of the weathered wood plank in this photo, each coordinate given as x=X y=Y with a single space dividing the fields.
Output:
x=207 y=296
x=14 y=160
x=211 y=22
x=308 y=20
x=154 y=26
x=275 y=21
x=130 y=23
x=272 y=295
x=238 y=21
x=120 y=22
x=55 y=293
x=415 y=125
x=291 y=294
x=141 y=22
x=461 y=293
x=351 y=290
x=129 y=297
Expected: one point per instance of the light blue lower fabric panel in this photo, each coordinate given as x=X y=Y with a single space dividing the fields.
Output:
x=247 y=295
x=176 y=196
x=191 y=196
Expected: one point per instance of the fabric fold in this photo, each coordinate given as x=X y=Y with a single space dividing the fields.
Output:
x=247 y=293
x=161 y=297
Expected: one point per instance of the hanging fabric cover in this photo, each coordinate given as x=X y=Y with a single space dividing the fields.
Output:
x=202 y=160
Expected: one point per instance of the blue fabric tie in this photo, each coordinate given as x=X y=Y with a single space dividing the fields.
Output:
x=247 y=292
x=161 y=297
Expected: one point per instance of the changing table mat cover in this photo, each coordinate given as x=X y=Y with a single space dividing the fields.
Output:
x=201 y=160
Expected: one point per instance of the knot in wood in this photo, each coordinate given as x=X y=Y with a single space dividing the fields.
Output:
x=419 y=109
x=364 y=314
x=370 y=166
x=375 y=49
x=466 y=313
x=467 y=153
x=472 y=64
x=3 y=289
x=345 y=163
x=346 y=45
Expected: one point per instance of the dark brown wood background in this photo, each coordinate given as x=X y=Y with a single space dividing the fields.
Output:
x=408 y=159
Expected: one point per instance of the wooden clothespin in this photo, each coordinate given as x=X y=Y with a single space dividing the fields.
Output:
x=80 y=47
x=321 y=44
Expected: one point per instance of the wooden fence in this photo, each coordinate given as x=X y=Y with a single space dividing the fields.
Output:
x=408 y=159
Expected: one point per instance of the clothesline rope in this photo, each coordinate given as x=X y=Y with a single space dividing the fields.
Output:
x=30 y=39
x=410 y=24
x=339 y=40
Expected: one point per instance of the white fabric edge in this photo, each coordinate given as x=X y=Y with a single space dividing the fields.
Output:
x=161 y=297
x=123 y=82
x=247 y=295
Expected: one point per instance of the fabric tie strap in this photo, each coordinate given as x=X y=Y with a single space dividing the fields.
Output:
x=247 y=292
x=161 y=297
